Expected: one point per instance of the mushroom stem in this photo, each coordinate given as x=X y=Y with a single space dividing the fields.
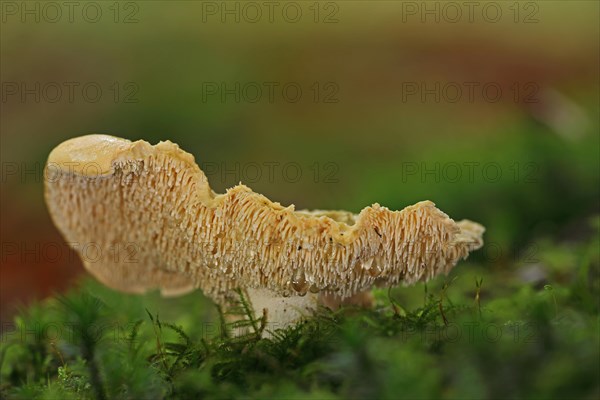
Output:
x=282 y=311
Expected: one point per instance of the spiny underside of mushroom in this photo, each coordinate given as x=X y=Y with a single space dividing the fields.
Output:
x=154 y=222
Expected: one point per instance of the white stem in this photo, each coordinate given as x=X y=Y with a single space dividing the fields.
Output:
x=281 y=311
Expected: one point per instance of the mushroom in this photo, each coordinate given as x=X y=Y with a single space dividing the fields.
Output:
x=144 y=217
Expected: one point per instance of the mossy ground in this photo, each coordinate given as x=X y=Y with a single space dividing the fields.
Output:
x=524 y=329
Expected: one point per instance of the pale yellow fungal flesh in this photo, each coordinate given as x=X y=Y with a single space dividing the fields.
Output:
x=154 y=222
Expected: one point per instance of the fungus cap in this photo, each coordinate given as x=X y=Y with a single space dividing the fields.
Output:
x=157 y=224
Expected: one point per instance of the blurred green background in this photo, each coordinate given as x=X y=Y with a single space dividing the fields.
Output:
x=364 y=130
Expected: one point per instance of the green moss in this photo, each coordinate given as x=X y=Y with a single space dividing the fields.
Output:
x=475 y=334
